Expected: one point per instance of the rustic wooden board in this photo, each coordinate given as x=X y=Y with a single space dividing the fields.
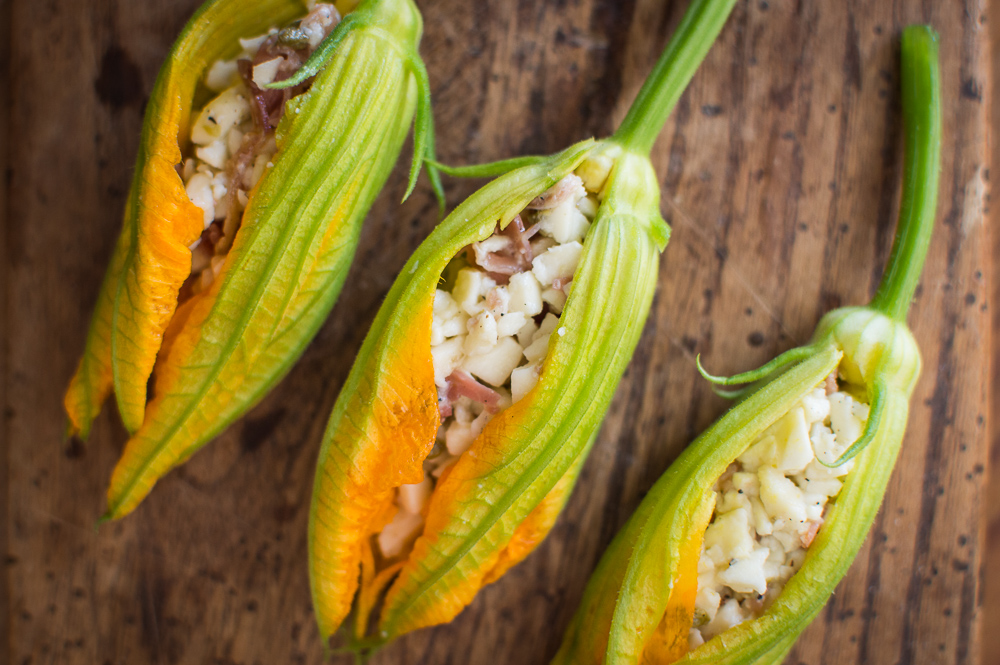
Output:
x=780 y=173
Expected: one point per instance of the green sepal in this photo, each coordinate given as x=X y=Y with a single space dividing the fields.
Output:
x=787 y=358
x=491 y=169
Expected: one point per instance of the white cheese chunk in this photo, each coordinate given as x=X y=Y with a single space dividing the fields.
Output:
x=816 y=406
x=846 y=426
x=413 y=498
x=731 y=532
x=220 y=115
x=708 y=599
x=213 y=154
x=791 y=435
x=470 y=286
x=780 y=496
x=555 y=298
x=538 y=349
x=494 y=367
x=446 y=357
x=557 y=262
x=199 y=191
x=525 y=294
x=728 y=616
x=221 y=75
x=564 y=222
x=747 y=575
x=482 y=336
x=460 y=435
x=522 y=380
x=398 y=533
x=510 y=324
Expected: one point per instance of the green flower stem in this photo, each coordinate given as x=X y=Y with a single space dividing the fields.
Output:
x=922 y=126
x=698 y=30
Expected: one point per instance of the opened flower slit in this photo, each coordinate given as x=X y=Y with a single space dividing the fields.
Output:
x=232 y=139
x=493 y=316
x=769 y=506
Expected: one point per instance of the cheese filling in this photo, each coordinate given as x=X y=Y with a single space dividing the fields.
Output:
x=769 y=506
x=232 y=137
x=492 y=324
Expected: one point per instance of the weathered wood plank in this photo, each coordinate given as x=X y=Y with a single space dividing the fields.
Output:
x=780 y=174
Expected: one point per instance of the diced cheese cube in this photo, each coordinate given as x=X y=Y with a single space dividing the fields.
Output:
x=251 y=45
x=816 y=405
x=460 y=436
x=482 y=336
x=824 y=443
x=728 y=616
x=446 y=357
x=846 y=426
x=220 y=187
x=731 y=500
x=494 y=367
x=708 y=599
x=220 y=115
x=221 y=75
x=510 y=324
x=538 y=349
x=522 y=380
x=470 y=286
x=716 y=555
x=555 y=298
x=527 y=333
x=542 y=244
x=399 y=533
x=819 y=479
x=747 y=482
x=731 y=532
x=780 y=496
x=213 y=154
x=444 y=304
x=494 y=243
x=557 y=262
x=764 y=452
x=260 y=165
x=587 y=207
x=199 y=190
x=594 y=171
x=564 y=222
x=791 y=434
x=705 y=563
x=549 y=323
x=525 y=294
x=498 y=301
x=761 y=521
x=747 y=575
x=413 y=498
x=695 y=638
x=264 y=73
x=234 y=140
x=815 y=503
x=443 y=328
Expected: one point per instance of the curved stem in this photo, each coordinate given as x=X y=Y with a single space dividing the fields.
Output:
x=787 y=358
x=922 y=126
x=699 y=27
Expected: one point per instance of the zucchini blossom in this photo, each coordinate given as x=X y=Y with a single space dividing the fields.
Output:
x=262 y=151
x=481 y=386
x=738 y=546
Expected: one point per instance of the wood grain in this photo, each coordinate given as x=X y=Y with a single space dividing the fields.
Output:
x=780 y=172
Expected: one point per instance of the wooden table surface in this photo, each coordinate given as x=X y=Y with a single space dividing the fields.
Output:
x=780 y=174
